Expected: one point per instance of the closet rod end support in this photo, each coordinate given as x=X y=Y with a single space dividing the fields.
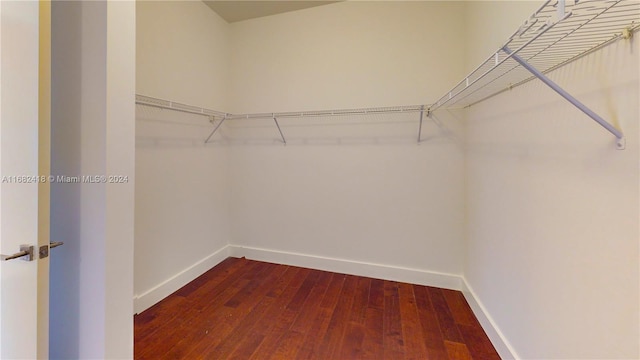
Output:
x=621 y=143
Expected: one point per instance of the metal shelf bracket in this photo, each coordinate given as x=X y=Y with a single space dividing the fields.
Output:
x=284 y=141
x=620 y=145
x=420 y=127
x=215 y=129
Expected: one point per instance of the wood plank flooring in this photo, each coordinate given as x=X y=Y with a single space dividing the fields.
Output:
x=244 y=309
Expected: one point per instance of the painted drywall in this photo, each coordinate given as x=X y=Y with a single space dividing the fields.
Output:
x=120 y=165
x=182 y=187
x=490 y=24
x=553 y=217
x=93 y=86
x=344 y=55
x=358 y=190
x=354 y=189
x=182 y=52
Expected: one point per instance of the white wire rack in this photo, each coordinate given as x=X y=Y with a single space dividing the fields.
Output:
x=176 y=106
x=552 y=37
x=172 y=105
x=338 y=112
x=559 y=32
x=408 y=109
x=222 y=116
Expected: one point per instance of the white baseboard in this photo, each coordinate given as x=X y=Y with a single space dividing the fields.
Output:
x=505 y=350
x=359 y=268
x=377 y=271
x=385 y=272
x=150 y=297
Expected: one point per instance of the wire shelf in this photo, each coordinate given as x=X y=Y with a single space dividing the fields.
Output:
x=554 y=35
x=172 y=105
x=559 y=32
x=336 y=112
x=223 y=117
x=176 y=106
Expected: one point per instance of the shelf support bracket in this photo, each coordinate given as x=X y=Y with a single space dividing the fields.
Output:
x=284 y=141
x=215 y=129
x=620 y=144
x=420 y=126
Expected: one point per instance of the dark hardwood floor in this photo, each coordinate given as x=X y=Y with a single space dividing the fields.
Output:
x=244 y=309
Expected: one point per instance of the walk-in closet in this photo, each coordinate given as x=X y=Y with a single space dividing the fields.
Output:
x=454 y=179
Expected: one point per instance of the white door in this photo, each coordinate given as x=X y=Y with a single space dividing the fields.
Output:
x=24 y=194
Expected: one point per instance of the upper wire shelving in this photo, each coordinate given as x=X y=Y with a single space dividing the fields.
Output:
x=176 y=106
x=214 y=115
x=559 y=32
x=556 y=34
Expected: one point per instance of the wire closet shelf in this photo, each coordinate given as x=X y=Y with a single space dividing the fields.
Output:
x=559 y=32
x=176 y=106
x=171 y=105
x=222 y=116
x=553 y=36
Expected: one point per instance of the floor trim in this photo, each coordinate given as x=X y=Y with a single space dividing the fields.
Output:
x=150 y=297
x=503 y=347
x=377 y=271
x=373 y=270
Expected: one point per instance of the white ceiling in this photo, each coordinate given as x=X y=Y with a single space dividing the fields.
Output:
x=238 y=10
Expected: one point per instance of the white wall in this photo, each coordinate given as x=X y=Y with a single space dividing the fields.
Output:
x=92 y=134
x=120 y=142
x=182 y=53
x=553 y=217
x=354 y=189
x=490 y=24
x=182 y=211
x=349 y=54
x=547 y=206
